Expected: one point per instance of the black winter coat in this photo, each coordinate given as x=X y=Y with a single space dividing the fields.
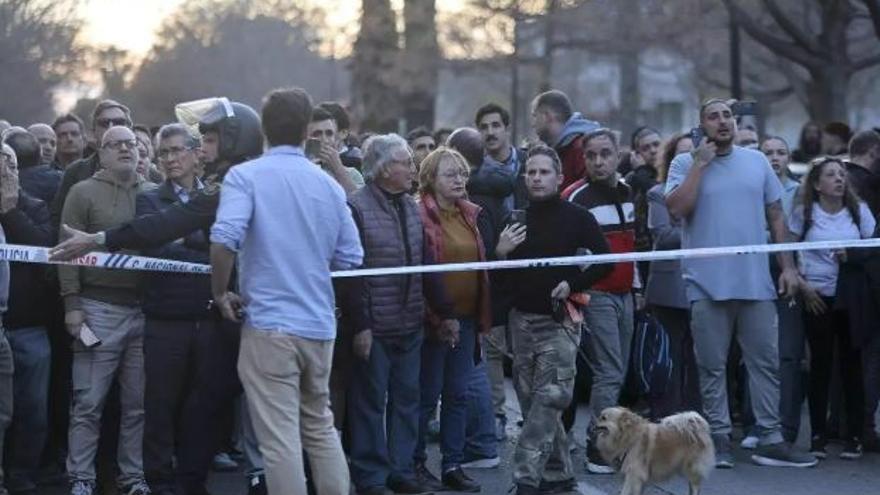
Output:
x=175 y=296
x=40 y=181
x=29 y=288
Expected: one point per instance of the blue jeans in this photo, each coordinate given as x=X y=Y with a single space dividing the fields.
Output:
x=383 y=442
x=30 y=421
x=481 y=442
x=447 y=370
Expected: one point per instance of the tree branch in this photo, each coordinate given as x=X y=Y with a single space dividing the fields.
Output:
x=796 y=33
x=782 y=47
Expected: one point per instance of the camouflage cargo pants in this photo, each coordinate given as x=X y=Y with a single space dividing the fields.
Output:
x=544 y=354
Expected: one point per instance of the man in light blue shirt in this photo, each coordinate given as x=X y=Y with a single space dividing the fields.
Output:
x=729 y=196
x=288 y=224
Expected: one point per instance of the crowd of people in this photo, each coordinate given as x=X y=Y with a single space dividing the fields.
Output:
x=147 y=381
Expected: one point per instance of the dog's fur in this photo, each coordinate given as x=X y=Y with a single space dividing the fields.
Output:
x=646 y=452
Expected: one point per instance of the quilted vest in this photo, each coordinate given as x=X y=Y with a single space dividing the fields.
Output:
x=395 y=303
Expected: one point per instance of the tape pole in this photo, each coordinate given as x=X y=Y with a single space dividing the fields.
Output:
x=121 y=261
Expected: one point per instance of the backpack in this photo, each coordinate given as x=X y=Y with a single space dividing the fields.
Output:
x=653 y=362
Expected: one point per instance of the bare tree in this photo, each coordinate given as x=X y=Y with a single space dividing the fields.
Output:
x=235 y=49
x=375 y=81
x=419 y=62
x=38 y=51
x=823 y=43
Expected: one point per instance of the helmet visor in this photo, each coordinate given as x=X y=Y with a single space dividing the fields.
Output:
x=206 y=112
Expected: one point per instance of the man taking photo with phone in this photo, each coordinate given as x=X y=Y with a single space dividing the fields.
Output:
x=321 y=148
x=545 y=349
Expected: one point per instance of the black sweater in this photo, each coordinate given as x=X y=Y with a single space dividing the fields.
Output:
x=554 y=228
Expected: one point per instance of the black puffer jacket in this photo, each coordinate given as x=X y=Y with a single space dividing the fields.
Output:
x=29 y=288
x=40 y=181
x=175 y=296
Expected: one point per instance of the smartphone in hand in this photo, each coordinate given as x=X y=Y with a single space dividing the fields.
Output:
x=313 y=149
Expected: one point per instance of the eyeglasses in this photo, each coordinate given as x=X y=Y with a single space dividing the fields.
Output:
x=7 y=156
x=113 y=122
x=167 y=153
x=121 y=143
x=455 y=175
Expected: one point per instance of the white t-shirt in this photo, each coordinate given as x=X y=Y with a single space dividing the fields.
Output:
x=820 y=268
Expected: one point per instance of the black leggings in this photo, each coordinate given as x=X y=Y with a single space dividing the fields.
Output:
x=823 y=332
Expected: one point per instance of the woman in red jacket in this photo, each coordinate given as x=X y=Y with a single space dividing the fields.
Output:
x=452 y=235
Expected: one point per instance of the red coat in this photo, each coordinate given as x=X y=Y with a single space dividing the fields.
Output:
x=434 y=244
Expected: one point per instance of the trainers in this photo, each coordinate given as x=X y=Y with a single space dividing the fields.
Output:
x=257 y=485
x=559 y=486
x=818 y=447
x=852 y=450
x=139 y=487
x=595 y=463
x=482 y=463
x=500 y=428
x=782 y=454
x=82 y=487
x=222 y=463
x=723 y=451
x=750 y=442
x=456 y=480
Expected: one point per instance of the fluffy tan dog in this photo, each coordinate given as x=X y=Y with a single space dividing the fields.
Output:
x=646 y=452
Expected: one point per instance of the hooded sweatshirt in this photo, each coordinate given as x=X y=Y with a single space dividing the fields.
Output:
x=570 y=147
x=95 y=204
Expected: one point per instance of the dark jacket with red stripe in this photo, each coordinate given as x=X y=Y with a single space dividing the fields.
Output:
x=615 y=212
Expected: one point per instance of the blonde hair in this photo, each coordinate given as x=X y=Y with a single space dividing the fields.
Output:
x=431 y=164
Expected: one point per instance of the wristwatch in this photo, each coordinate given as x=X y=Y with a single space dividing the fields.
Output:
x=101 y=238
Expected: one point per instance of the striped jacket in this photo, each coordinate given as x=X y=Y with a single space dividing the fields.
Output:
x=615 y=212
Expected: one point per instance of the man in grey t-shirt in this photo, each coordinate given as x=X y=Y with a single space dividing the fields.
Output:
x=728 y=196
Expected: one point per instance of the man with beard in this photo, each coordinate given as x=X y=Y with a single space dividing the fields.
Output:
x=560 y=127
x=810 y=144
x=734 y=292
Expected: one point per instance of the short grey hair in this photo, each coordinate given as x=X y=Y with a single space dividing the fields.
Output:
x=377 y=153
x=190 y=140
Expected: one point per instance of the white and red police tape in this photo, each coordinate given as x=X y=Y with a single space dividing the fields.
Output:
x=120 y=261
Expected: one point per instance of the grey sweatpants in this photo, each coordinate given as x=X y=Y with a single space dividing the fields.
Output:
x=754 y=323
x=119 y=357
x=609 y=319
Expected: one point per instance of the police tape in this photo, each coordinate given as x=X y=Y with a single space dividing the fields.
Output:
x=120 y=261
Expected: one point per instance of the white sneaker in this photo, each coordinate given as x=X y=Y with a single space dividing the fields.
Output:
x=750 y=442
x=484 y=463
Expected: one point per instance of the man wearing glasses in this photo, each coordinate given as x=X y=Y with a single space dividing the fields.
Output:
x=107 y=114
x=105 y=303
x=184 y=352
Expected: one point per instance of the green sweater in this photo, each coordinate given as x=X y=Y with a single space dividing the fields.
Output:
x=93 y=205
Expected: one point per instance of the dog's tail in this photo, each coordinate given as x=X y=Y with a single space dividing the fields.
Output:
x=695 y=430
x=690 y=426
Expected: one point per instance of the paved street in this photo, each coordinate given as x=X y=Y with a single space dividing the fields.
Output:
x=832 y=477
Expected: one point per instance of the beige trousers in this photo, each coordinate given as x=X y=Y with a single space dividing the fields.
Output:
x=286 y=379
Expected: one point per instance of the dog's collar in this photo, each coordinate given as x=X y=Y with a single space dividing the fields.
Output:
x=618 y=461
